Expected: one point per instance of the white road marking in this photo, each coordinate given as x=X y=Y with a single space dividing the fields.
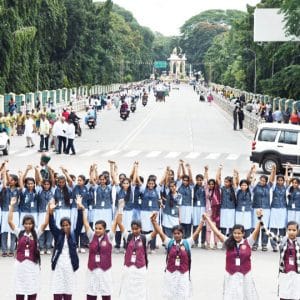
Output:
x=213 y=156
x=232 y=157
x=193 y=155
x=172 y=154
x=153 y=154
x=90 y=153
x=111 y=152
x=132 y=153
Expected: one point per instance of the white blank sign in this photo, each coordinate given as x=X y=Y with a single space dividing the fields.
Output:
x=269 y=26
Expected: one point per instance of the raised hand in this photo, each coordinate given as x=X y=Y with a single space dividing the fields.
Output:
x=79 y=201
x=13 y=201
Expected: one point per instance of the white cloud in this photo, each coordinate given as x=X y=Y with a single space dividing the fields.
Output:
x=166 y=16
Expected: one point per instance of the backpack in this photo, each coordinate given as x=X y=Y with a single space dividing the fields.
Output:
x=187 y=249
x=143 y=238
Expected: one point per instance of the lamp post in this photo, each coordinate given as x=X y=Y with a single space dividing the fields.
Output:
x=254 y=85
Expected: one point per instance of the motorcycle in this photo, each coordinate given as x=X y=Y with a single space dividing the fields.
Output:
x=78 y=130
x=133 y=107
x=144 y=101
x=91 y=123
x=124 y=115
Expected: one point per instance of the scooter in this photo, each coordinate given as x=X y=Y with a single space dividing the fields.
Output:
x=133 y=107
x=124 y=114
x=144 y=101
x=78 y=130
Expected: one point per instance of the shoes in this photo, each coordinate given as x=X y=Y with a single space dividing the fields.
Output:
x=4 y=254
x=11 y=254
x=40 y=150
x=264 y=248
x=82 y=250
x=202 y=246
x=254 y=247
x=27 y=147
x=48 y=252
x=73 y=154
x=275 y=249
x=32 y=146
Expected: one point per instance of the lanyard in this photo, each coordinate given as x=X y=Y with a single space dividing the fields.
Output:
x=237 y=248
x=291 y=246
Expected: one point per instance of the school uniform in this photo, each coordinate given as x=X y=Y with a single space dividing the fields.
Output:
x=26 y=268
x=102 y=204
x=62 y=210
x=65 y=261
x=171 y=213
x=238 y=281
x=137 y=203
x=261 y=199
x=243 y=211
x=99 y=277
x=134 y=281
x=186 y=208
x=289 y=269
x=7 y=194
x=227 y=213
x=177 y=284
x=294 y=206
x=28 y=204
x=45 y=240
x=278 y=215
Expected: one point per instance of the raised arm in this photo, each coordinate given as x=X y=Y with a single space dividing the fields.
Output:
x=272 y=175
x=84 y=215
x=113 y=172
x=46 y=221
x=251 y=175
x=68 y=178
x=157 y=228
x=205 y=174
x=38 y=176
x=164 y=180
x=218 y=175
x=13 y=202
x=189 y=170
x=198 y=230
x=259 y=223
x=180 y=170
x=214 y=228
x=286 y=174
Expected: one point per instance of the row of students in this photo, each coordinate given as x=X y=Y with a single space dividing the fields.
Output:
x=238 y=281
x=180 y=201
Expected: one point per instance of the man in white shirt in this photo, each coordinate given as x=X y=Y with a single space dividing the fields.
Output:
x=29 y=129
x=61 y=135
x=70 y=133
x=55 y=134
x=44 y=132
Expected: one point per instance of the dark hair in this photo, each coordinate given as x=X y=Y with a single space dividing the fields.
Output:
x=64 y=219
x=15 y=178
x=82 y=177
x=65 y=191
x=101 y=222
x=46 y=181
x=150 y=179
x=232 y=192
x=37 y=256
x=292 y=223
x=128 y=192
x=136 y=223
x=186 y=177
x=29 y=179
x=199 y=176
x=230 y=243
x=264 y=177
x=280 y=176
x=179 y=228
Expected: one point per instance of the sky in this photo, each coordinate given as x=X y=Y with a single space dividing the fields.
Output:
x=167 y=16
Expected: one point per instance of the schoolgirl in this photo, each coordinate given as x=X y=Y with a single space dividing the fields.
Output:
x=213 y=199
x=150 y=203
x=238 y=281
x=137 y=183
x=102 y=201
x=171 y=209
x=28 y=195
x=243 y=210
x=99 y=278
x=134 y=283
x=289 y=263
x=82 y=190
x=294 y=201
x=278 y=215
x=177 y=275
x=27 y=270
x=65 y=261
x=44 y=197
x=228 y=202
x=10 y=189
x=185 y=187
x=261 y=199
x=199 y=207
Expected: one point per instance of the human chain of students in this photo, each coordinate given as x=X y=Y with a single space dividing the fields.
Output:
x=222 y=212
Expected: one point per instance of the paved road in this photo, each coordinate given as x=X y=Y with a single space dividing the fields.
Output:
x=157 y=135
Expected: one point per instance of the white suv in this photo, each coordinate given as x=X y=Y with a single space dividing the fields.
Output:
x=277 y=144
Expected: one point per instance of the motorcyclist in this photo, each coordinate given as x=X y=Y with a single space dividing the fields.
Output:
x=74 y=118
x=124 y=106
x=91 y=113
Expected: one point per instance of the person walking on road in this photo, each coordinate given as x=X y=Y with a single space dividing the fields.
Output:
x=70 y=133
x=61 y=134
x=29 y=130
x=238 y=117
x=44 y=132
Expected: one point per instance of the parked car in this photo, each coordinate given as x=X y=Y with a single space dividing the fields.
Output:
x=4 y=143
x=276 y=144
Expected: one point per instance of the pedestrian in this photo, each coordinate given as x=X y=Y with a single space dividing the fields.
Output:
x=44 y=132
x=294 y=200
x=235 y=117
x=10 y=189
x=238 y=281
x=135 y=262
x=99 y=277
x=213 y=205
x=261 y=199
x=199 y=207
x=55 y=132
x=277 y=115
x=185 y=187
x=289 y=263
x=65 y=261
x=170 y=202
x=27 y=265
x=20 y=123
x=44 y=198
x=177 y=283
x=61 y=134
x=29 y=130
x=278 y=215
x=70 y=134
x=294 y=118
